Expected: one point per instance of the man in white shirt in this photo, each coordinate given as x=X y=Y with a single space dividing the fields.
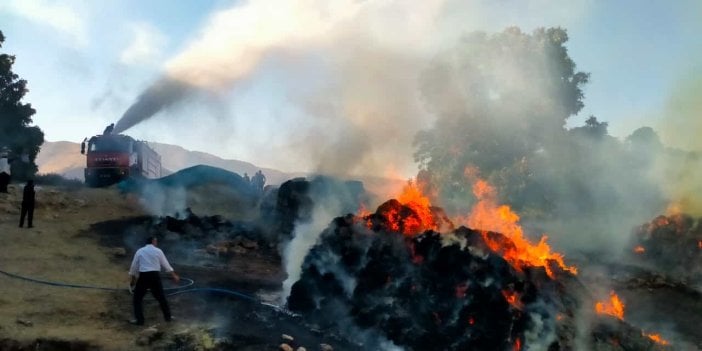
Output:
x=145 y=275
x=4 y=170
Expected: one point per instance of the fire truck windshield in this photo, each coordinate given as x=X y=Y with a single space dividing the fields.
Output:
x=109 y=145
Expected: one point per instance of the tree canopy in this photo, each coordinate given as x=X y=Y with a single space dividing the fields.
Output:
x=501 y=103
x=498 y=99
x=16 y=133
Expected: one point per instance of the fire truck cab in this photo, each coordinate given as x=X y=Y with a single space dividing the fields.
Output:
x=114 y=157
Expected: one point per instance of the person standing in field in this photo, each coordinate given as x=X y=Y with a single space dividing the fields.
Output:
x=145 y=275
x=27 y=204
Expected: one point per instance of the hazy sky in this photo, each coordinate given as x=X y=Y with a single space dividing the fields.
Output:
x=86 y=61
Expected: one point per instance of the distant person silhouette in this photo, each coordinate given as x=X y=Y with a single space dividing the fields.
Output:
x=109 y=129
x=258 y=180
x=4 y=170
x=4 y=181
x=247 y=179
x=27 y=204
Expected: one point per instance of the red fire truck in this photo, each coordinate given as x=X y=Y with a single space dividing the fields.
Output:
x=113 y=157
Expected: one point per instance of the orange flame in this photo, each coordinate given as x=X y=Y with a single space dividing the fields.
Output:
x=513 y=298
x=394 y=219
x=362 y=211
x=421 y=219
x=699 y=244
x=639 y=249
x=413 y=198
x=656 y=338
x=487 y=215
x=614 y=307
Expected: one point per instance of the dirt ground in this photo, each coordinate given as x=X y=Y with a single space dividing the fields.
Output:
x=61 y=247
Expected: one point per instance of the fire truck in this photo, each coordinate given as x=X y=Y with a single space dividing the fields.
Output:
x=114 y=157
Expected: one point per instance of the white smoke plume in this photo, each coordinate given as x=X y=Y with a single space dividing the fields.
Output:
x=236 y=40
x=162 y=201
x=304 y=238
x=350 y=72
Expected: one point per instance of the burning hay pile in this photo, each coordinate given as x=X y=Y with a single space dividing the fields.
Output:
x=405 y=276
x=428 y=291
x=671 y=244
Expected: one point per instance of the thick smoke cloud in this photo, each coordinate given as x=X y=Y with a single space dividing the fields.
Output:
x=363 y=100
x=362 y=78
x=161 y=94
x=349 y=72
x=679 y=169
x=231 y=47
x=681 y=116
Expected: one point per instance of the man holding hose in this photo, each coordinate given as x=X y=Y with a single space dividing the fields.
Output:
x=145 y=275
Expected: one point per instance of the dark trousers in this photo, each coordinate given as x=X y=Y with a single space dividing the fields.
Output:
x=149 y=281
x=27 y=210
x=4 y=181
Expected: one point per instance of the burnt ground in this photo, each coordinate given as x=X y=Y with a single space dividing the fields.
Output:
x=236 y=322
x=672 y=310
x=82 y=236
x=655 y=301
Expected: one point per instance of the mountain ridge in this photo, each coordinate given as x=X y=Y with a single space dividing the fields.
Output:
x=64 y=158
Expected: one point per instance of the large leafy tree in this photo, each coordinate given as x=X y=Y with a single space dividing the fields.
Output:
x=501 y=103
x=23 y=140
x=499 y=99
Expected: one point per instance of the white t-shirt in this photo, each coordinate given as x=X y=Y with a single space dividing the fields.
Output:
x=4 y=165
x=148 y=259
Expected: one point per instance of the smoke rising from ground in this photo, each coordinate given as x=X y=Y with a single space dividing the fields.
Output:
x=305 y=236
x=322 y=199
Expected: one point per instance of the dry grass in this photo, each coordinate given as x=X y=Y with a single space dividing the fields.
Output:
x=60 y=248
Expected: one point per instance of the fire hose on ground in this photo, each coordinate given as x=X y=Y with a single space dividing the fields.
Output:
x=182 y=289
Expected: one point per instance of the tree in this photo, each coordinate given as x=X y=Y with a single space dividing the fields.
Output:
x=499 y=100
x=592 y=129
x=15 y=119
x=645 y=139
x=501 y=103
